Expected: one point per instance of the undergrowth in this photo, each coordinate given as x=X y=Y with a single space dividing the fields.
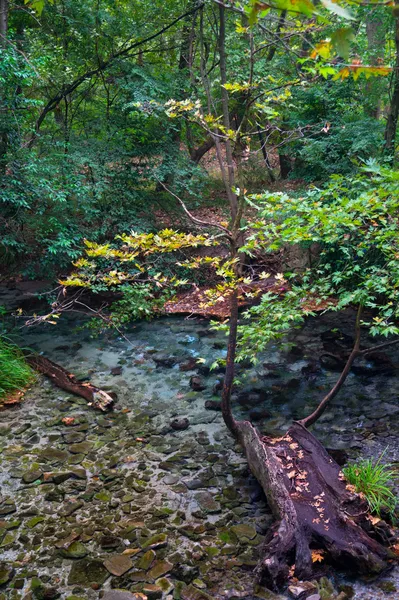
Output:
x=15 y=374
x=374 y=480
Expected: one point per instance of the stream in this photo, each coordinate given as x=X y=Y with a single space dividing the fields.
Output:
x=155 y=497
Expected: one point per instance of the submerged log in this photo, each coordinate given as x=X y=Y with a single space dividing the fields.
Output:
x=314 y=507
x=67 y=381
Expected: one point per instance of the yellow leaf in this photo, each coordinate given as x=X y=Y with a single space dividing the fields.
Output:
x=317 y=556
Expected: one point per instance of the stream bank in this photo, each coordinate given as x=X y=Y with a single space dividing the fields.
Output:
x=155 y=497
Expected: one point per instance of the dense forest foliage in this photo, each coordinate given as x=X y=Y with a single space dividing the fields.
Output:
x=225 y=159
x=102 y=102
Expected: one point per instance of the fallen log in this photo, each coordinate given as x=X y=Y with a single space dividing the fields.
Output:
x=314 y=507
x=96 y=397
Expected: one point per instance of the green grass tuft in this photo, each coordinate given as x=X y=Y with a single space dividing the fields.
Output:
x=15 y=374
x=374 y=480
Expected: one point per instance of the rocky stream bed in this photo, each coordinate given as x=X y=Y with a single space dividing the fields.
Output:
x=155 y=498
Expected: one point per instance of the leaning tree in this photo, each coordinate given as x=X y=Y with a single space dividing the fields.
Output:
x=354 y=226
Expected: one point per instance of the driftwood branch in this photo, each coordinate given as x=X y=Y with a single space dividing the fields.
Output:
x=62 y=378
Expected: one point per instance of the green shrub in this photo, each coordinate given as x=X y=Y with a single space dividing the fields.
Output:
x=374 y=480
x=15 y=374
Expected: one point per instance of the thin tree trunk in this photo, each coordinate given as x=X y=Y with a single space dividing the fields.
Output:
x=392 y=120
x=226 y=116
x=230 y=366
x=4 y=7
x=311 y=419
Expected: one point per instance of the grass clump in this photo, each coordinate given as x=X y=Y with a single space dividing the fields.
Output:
x=15 y=373
x=374 y=480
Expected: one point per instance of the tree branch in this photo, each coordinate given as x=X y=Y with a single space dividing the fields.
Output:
x=312 y=418
x=52 y=103
x=191 y=216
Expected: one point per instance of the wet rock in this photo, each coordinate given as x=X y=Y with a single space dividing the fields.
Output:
x=87 y=571
x=213 y=405
x=74 y=550
x=180 y=424
x=163 y=360
x=7 y=507
x=188 y=365
x=146 y=560
x=194 y=484
x=193 y=593
x=165 y=584
x=73 y=437
x=6 y=573
x=302 y=589
x=80 y=448
x=69 y=507
x=109 y=542
x=156 y=541
x=152 y=591
x=244 y=532
x=118 y=565
x=57 y=478
x=185 y=573
x=31 y=476
x=160 y=568
x=170 y=479
x=116 y=371
x=207 y=503
x=197 y=383
x=121 y=595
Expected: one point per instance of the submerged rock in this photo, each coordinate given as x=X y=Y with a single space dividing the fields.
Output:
x=118 y=565
x=87 y=571
x=180 y=424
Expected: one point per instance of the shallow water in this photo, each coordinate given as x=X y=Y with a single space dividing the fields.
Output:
x=112 y=482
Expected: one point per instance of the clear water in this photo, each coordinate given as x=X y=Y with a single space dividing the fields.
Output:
x=136 y=465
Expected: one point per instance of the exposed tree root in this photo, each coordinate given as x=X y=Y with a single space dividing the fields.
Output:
x=95 y=397
x=313 y=505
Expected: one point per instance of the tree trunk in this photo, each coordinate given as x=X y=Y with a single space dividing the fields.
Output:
x=375 y=31
x=306 y=491
x=226 y=115
x=4 y=7
x=392 y=120
x=313 y=507
x=60 y=377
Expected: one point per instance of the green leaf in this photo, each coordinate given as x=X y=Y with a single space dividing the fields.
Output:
x=337 y=9
x=341 y=40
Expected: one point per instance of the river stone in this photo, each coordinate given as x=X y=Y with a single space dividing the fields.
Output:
x=207 y=503
x=73 y=437
x=158 y=540
x=7 y=507
x=170 y=479
x=152 y=591
x=118 y=565
x=30 y=476
x=54 y=455
x=121 y=595
x=6 y=573
x=244 y=532
x=74 y=550
x=69 y=507
x=87 y=571
x=161 y=567
x=81 y=448
x=165 y=584
x=146 y=560
x=193 y=593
